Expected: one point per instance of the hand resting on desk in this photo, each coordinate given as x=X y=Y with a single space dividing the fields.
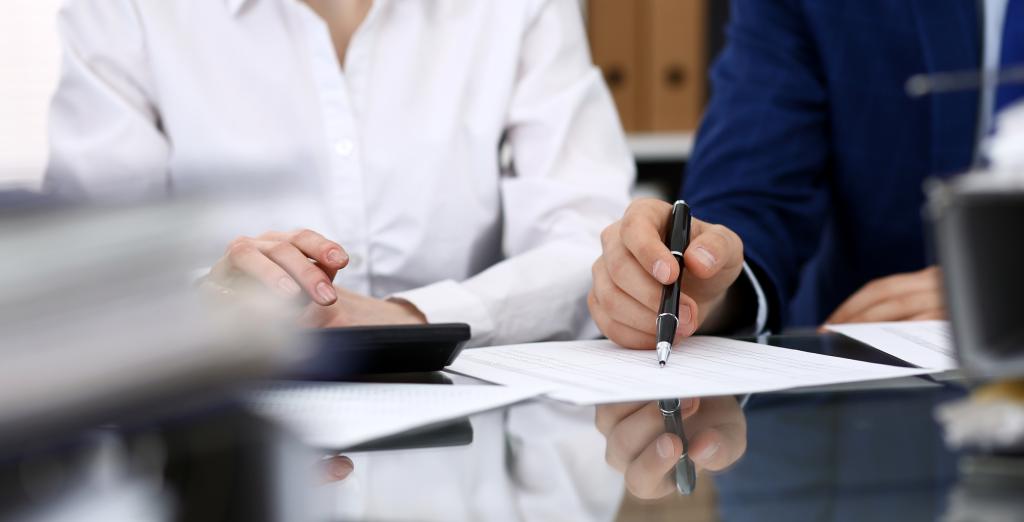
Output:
x=914 y=296
x=301 y=265
x=639 y=448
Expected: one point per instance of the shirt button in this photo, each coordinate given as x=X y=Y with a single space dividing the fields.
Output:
x=344 y=148
x=354 y=261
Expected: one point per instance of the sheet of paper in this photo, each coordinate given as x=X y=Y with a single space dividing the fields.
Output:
x=928 y=344
x=341 y=415
x=594 y=372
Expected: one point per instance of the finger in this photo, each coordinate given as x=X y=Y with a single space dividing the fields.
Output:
x=630 y=276
x=607 y=416
x=900 y=308
x=718 y=433
x=245 y=258
x=631 y=435
x=712 y=249
x=619 y=333
x=337 y=468
x=649 y=475
x=883 y=289
x=619 y=305
x=642 y=232
x=689 y=317
x=932 y=315
x=324 y=251
x=313 y=280
x=709 y=450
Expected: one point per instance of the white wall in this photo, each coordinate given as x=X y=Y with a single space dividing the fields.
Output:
x=29 y=65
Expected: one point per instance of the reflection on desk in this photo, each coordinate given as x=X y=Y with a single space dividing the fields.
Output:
x=869 y=455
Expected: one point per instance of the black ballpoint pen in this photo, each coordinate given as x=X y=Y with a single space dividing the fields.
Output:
x=677 y=239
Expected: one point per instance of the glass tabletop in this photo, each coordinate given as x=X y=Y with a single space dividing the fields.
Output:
x=867 y=452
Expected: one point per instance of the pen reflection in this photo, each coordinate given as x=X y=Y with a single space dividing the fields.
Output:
x=638 y=446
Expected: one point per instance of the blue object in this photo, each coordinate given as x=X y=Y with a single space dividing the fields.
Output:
x=1012 y=53
x=812 y=151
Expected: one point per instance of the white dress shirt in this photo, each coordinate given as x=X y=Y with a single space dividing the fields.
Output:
x=400 y=145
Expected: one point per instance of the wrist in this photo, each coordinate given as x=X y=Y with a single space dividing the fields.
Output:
x=733 y=310
x=409 y=310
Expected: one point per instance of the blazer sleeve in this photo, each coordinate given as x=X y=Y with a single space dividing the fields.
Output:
x=761 y=160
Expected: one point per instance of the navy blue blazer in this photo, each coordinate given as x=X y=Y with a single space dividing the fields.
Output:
x=813 y=153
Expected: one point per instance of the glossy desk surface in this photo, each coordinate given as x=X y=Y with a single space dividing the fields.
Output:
x=873 y=452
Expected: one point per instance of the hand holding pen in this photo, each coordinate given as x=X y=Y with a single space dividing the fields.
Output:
x=639 y=447
x=635 y=264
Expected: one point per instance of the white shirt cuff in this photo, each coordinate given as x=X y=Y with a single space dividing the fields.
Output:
x=449 y=302
x=761 y=320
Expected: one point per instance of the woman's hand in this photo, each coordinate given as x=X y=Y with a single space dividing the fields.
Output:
x=352 y=309
x=289 y=264
x=639 y=448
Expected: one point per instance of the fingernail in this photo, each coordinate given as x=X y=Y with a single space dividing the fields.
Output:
x=708 y=453
x=335 y=256
x=705 y=257
x=685 y=404
x=664 y=447
x=289 y=286
x=339 y=469
x=326 y=292
x=661 y=271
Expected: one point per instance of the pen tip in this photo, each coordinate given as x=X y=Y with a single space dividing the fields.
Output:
x=661 y=364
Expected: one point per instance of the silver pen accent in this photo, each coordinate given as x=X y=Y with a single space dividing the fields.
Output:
x=664 y=350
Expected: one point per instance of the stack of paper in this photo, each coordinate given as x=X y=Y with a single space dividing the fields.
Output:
x=342 y=415
x=594 y=372
x=928 y=344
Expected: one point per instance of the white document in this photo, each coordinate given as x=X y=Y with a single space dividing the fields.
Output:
x=342 y=415
x=595 y=372
x=928 y=344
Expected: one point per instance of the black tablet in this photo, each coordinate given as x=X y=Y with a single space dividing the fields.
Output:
x=345 y=353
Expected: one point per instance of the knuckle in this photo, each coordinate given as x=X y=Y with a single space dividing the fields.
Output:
x=311 y=273
x=718 y=234
x=303 y=234
x=617 y=267
x=239 y=247
x=630 y=220
x=607 y=234
x=280 y=250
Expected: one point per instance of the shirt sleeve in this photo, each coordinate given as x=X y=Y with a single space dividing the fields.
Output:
x=572 y=176
x=104 y=135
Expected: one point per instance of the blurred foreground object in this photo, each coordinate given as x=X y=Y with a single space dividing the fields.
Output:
x=97 y=312
x=992 y=419
x=979 y=222
x=117 y=374
x=1006 y=147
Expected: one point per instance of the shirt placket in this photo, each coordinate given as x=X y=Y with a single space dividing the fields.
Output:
x=344 y=184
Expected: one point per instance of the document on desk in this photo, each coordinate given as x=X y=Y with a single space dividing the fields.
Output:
x=928 y=344
x=595 y=372
x=341 y=415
